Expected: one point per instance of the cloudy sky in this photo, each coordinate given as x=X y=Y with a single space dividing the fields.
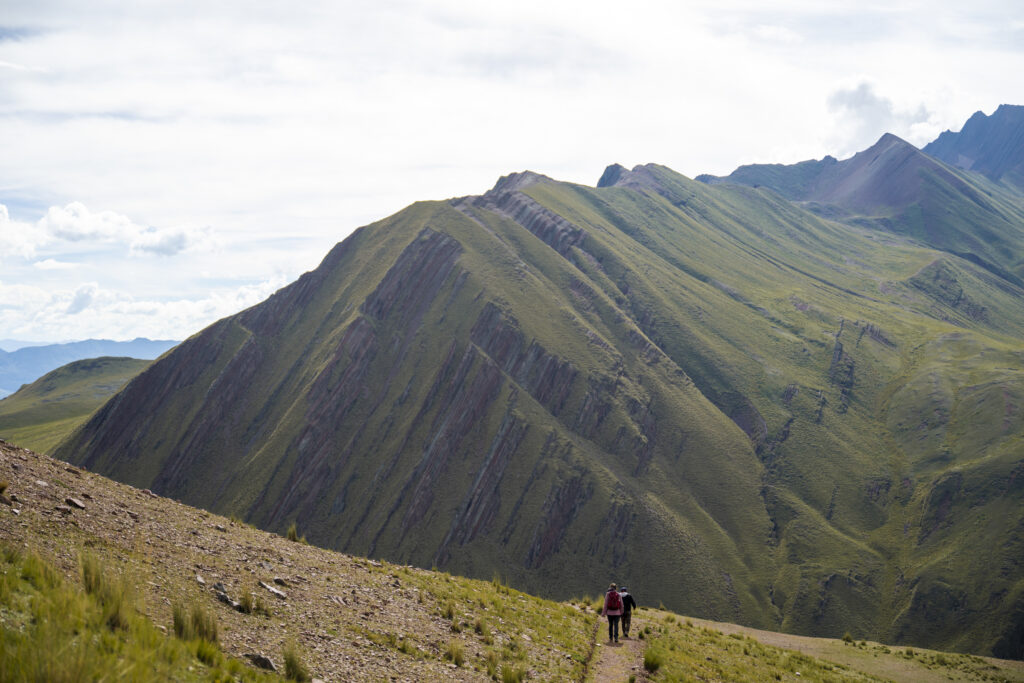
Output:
x=164 y=164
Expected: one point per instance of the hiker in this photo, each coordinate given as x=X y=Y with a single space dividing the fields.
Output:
x=628 y=605
x=613 y=610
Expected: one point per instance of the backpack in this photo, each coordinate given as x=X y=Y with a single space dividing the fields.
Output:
x=614 y=601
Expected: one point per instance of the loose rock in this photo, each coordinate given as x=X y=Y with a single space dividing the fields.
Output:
x=74 y=502
x=274 y=590
x=260 y=660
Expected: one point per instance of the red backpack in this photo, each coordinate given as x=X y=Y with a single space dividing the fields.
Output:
x=613 y=602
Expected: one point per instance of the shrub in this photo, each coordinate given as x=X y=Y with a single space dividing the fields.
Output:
x=847 y=638
x=653 y=660
x=294 y=668
x=293 y=533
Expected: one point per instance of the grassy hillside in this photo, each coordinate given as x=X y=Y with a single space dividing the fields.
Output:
x=753 y=413
x=28 y=363
x=101 y=584
x=42 y=414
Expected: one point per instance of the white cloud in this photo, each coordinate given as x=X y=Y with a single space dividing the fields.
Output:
x=303 y=122
x=863 y=116
x=82 y=298
x=776 y=33
x=75 y=223
x=53 y=264
x=91 y=311
x=18 y=238
x=170 y=241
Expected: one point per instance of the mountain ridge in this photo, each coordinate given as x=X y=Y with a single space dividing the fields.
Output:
x=896 y=187
x=992 y=145
x=752 y=410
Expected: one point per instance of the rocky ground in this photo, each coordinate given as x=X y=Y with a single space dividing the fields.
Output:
x=355 y=619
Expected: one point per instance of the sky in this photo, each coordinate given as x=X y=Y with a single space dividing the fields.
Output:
x=165 y=164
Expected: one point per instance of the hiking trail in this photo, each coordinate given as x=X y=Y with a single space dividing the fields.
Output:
x=616 y=662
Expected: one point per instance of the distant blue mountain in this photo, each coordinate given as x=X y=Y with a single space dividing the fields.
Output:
x=29 y=363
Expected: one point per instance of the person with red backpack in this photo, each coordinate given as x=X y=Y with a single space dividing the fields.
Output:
x=613 y=610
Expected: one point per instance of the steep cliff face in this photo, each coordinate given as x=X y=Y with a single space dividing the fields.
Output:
x=745 y=410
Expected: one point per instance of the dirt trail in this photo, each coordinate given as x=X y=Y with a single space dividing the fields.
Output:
x=616 y=662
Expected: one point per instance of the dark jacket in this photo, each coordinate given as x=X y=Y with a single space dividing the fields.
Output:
x=628 y=603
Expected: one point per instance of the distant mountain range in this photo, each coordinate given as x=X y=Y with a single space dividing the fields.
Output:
x=29 y=363
x=791 y=398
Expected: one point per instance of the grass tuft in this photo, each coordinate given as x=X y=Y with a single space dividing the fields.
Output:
x=513 y=674
x=294 y=667
x=653 y=660
x=455 y=653
x=194 y=624
x=110 y=589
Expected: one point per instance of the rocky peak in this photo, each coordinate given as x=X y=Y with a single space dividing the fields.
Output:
x=518 y=181
x=611 y=175
x=991 y=145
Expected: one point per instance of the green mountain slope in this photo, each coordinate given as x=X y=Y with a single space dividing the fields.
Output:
x=748 y=411
x=42 y=414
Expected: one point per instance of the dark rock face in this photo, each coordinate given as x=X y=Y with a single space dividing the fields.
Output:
x=611 y=175
x=564 y=502
x=465 y=402
x=991 y=145
x=482 y=502
x=555 y=231
x=547 y=378
x=413 y=282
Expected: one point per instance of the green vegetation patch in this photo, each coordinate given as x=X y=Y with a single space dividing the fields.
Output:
x=686 y=652
x=52 y=629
